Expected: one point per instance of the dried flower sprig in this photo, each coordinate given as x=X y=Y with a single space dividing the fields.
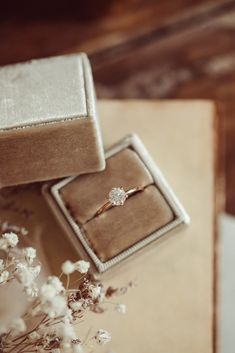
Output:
x=49 y=324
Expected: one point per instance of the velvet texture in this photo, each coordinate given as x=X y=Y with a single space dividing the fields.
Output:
x=121 y=227
x=49 y=151
x=85 y=194
x=117 y=229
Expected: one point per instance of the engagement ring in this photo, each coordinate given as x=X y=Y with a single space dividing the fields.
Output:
x=117 y=197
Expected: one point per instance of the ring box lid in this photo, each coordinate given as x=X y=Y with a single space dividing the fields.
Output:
x=45 y=90
x=47 y=108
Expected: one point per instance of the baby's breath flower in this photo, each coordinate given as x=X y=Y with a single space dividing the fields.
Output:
x=34 y=336
x=60 y=308
x=102 y=337
x=68 y=267
x=102 y=295
x=32 y=291
x=25 y=274
x=47 y=292
x=56 y=306
x=56 y=283
x=11 y=239
x=76 y=306
x=82 y=266
x=22 y=273
x=66 y=332
x=35 y=270
x=4 y=276
x=24 y=231
x=94 y=291
x=30 y=254
x=121 y=308
x=2 y=265
x=68 y=316
x=8 y=240
x=18 y=325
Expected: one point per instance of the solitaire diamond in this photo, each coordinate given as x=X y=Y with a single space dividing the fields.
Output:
x=117 y=196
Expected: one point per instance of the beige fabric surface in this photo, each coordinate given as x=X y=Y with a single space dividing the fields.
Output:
x=116 y=230
x=170 y=308
x=87 y=193
x=41 y=152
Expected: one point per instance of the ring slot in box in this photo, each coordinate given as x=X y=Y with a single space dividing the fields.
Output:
x=112 y=236
x=48 y=112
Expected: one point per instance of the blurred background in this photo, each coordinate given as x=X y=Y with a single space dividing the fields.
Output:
x=138 y=49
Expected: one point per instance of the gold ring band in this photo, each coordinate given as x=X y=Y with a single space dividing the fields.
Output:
x=117 y=197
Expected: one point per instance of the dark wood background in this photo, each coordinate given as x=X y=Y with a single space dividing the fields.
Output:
x=138 y=48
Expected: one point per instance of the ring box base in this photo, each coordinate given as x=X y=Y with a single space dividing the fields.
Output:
x=112 y=237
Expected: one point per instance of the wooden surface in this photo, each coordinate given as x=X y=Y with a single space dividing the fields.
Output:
x=170 y=306
x=139 y=49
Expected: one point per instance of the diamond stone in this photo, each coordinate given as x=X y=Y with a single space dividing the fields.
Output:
x=117 y=196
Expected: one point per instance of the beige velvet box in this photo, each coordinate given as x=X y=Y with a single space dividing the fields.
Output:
x=48 y=120
x=113 y=236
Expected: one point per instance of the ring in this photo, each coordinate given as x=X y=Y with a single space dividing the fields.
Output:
x=117 y=197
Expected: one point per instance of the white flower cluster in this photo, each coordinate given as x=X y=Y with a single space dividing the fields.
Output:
x=8 y=240
x=69 y=267
x=30 y=254
x=4 y=276
x=18 y=264
x=102 y=337
x=96 y=292
x=121 y=308
x=26 y=274
x=16 y=327
x=56 y=309
x=52 y=300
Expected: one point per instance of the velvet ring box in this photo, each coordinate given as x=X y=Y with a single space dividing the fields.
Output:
x=48 y=112
x=112 y=236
